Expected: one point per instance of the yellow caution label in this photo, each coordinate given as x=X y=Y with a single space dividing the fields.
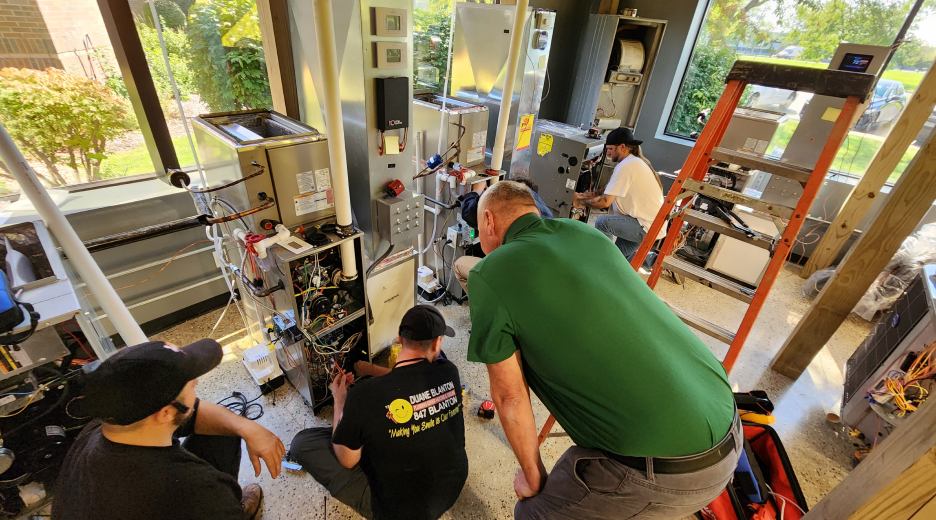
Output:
x=526 y=132
x=545 y=144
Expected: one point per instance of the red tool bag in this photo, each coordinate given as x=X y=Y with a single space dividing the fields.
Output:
x=781 y=496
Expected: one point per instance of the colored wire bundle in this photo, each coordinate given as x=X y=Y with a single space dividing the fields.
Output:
x=897 y=384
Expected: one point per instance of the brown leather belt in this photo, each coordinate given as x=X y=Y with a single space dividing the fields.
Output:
x=687 y=464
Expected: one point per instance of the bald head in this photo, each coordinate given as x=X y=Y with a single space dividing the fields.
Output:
x=499 y=206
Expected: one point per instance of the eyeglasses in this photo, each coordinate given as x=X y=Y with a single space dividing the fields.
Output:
x=180 y=407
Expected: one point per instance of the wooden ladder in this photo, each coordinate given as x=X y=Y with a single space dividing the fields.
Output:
x=852 y=86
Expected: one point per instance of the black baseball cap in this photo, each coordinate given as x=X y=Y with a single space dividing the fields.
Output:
x=140 y=380
x=622 y=135
x=424 y=322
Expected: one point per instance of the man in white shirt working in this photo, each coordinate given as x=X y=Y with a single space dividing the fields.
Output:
x=634 y=193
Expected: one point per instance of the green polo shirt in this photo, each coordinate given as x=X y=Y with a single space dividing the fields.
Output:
x=605 y=355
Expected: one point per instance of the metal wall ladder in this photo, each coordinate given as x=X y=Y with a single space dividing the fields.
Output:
x=854 y=87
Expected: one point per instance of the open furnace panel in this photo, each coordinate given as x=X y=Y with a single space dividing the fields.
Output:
x=321 y=328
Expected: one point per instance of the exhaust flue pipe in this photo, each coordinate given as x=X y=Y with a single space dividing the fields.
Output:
x=334 y=128
x=513 y=56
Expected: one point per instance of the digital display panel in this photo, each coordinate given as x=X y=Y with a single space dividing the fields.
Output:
x=393 y=22
x=394 y=55
x=856 y=62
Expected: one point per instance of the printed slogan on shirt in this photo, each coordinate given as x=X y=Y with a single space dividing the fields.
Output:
x=432 y=407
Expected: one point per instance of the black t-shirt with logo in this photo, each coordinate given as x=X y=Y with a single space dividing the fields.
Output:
x=412 y=430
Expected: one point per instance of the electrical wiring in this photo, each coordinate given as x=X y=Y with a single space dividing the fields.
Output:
x=163 y=268
x=897 y=383
x=238 y=403
x=78 y=341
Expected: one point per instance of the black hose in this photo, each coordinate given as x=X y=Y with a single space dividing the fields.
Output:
x=381 y=259
x=367 y=275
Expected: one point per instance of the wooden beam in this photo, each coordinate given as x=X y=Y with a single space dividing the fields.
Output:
x=882 y=165
x=277 y=50
x=910 y=199
x=897 y=481
x=824 y=82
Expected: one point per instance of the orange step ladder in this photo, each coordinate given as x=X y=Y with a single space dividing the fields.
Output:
x=854 y=87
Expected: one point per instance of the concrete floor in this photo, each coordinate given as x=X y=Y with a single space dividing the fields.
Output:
x=820 y=451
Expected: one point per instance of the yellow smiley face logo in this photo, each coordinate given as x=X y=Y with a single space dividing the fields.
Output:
x=400 y=411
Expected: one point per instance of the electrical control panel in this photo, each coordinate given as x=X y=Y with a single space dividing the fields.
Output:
x=392 y=102
x=400 y=218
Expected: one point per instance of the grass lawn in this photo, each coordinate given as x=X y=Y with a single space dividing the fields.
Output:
x=137 y=161
x=855 y=154
x=910 y=80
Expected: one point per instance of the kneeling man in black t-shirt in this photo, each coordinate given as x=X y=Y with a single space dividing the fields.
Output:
x=128 y=464
x=398 y=447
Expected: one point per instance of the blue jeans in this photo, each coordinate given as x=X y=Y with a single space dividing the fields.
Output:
x=624 y=231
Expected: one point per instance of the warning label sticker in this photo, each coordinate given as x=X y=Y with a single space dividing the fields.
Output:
x=526 y=132
x=322 y=179
x=478 y=138
x=545 y=144
x=306 y=182
x=475 y=154
x=315 y=201
x=570 y=184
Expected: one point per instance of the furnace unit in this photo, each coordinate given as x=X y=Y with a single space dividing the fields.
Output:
x=479 y=57
x=615 y=59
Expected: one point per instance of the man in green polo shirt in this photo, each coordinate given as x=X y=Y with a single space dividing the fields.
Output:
x=555 y=305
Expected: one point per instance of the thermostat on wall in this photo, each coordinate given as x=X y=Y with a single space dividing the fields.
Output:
x=391 y=55
x=390 y=22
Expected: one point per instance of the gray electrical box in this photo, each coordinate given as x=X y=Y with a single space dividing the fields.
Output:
x=562 y=155
x=751 y=129
x=400 y=218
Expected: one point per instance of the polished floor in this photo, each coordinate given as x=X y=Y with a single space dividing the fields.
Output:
x=820 y=451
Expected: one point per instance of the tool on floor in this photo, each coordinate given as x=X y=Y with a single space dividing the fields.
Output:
x=852 y=86
x=486 y=410
x=290 y=463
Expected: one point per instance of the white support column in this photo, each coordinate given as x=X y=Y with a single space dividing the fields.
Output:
x=78 y=255
x=334 y=126
x=513 y=56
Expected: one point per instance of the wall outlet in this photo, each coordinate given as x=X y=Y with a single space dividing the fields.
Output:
x=452 y=235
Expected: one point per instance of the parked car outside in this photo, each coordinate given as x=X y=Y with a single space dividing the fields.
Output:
x=790 y=52
x=771 y=97
x=887 y=102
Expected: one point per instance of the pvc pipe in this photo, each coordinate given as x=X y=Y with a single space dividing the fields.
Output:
x=334 y=126
x=448 y=68
x=513 y=56
x=84 y=264
x=261 y=247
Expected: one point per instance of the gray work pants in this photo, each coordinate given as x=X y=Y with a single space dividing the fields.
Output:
x=313 y=449
x=585 y=484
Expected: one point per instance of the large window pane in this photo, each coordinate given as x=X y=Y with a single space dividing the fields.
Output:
x=62 y=98
x=215 y=51
x=806 y=34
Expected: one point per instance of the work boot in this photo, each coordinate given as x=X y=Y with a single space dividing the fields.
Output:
x=251 y=496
